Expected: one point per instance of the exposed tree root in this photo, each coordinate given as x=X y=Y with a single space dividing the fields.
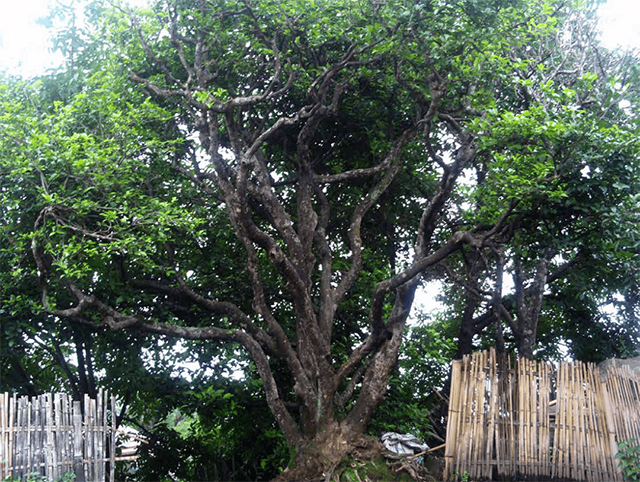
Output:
x=366 y=461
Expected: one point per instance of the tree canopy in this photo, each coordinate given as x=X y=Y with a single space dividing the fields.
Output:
x=272 y=181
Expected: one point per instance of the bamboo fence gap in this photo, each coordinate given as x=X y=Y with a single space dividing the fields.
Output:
x=51 y=435
x=534 y=420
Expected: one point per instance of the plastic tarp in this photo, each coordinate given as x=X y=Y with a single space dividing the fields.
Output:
x=403 y=444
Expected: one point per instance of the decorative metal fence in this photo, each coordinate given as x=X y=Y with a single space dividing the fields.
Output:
x=534 y=420
x=53 y=435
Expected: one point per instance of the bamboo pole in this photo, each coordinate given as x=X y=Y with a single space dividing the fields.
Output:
x=100 y=423
x=112 y=446
x=478 y=401
x=556 y=432
x=58 y=439
x=466 y=411
x=470 y=418
x=88 y=436
x=521 y=449
x=453 y=419
x=68 y=411
x=610 y=427
x=598 y=435
x=513 y=383
x=493 y=449
x=18 y=460
x=78 y=465
x=543 y=409
x=578 y=428
x=12 y=414
x=592 y=444
x=38 y=425
x=4 y=400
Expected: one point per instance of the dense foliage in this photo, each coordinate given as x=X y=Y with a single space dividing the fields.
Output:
x=223 y=210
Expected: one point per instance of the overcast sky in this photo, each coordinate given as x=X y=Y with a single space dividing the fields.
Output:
x=24 y=46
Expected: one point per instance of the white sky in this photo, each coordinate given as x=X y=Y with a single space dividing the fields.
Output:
x=24 y=47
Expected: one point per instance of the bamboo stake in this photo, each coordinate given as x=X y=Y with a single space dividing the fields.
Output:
x=565 y=421
x=483 y=410
x=78 y=465
x=467 y=412
x=610 y=426
x=573 y=448
x=556 y=436
x=513 y=381
x=478 y=426
x=453 y=423
x=12 y=414
x=545 y=390
x=530 y=413
x=112 y=447
x=3 y=439
x=473 y=408
x=591 y=448
x=598 y=434
x=89 y=416
x=100 y=422
x=581 y=428
x=472 y=468
x=493 y=447
x=57 y=442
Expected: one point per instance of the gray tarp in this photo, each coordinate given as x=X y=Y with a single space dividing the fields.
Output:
x=403 y=444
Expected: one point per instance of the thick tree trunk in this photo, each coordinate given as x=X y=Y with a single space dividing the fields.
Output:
x=319 y=458
x=467 y=328
x=474 y=266
x=529 y=309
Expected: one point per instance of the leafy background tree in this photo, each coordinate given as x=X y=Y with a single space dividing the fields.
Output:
x=270 y=182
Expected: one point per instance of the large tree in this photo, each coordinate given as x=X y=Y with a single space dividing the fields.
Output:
x=279 y=176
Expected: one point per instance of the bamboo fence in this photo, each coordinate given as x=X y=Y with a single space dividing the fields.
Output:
x=52 y=435
x=533 y=420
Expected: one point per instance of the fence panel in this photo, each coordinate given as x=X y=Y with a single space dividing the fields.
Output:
x=533 y=420
x=51 y=435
